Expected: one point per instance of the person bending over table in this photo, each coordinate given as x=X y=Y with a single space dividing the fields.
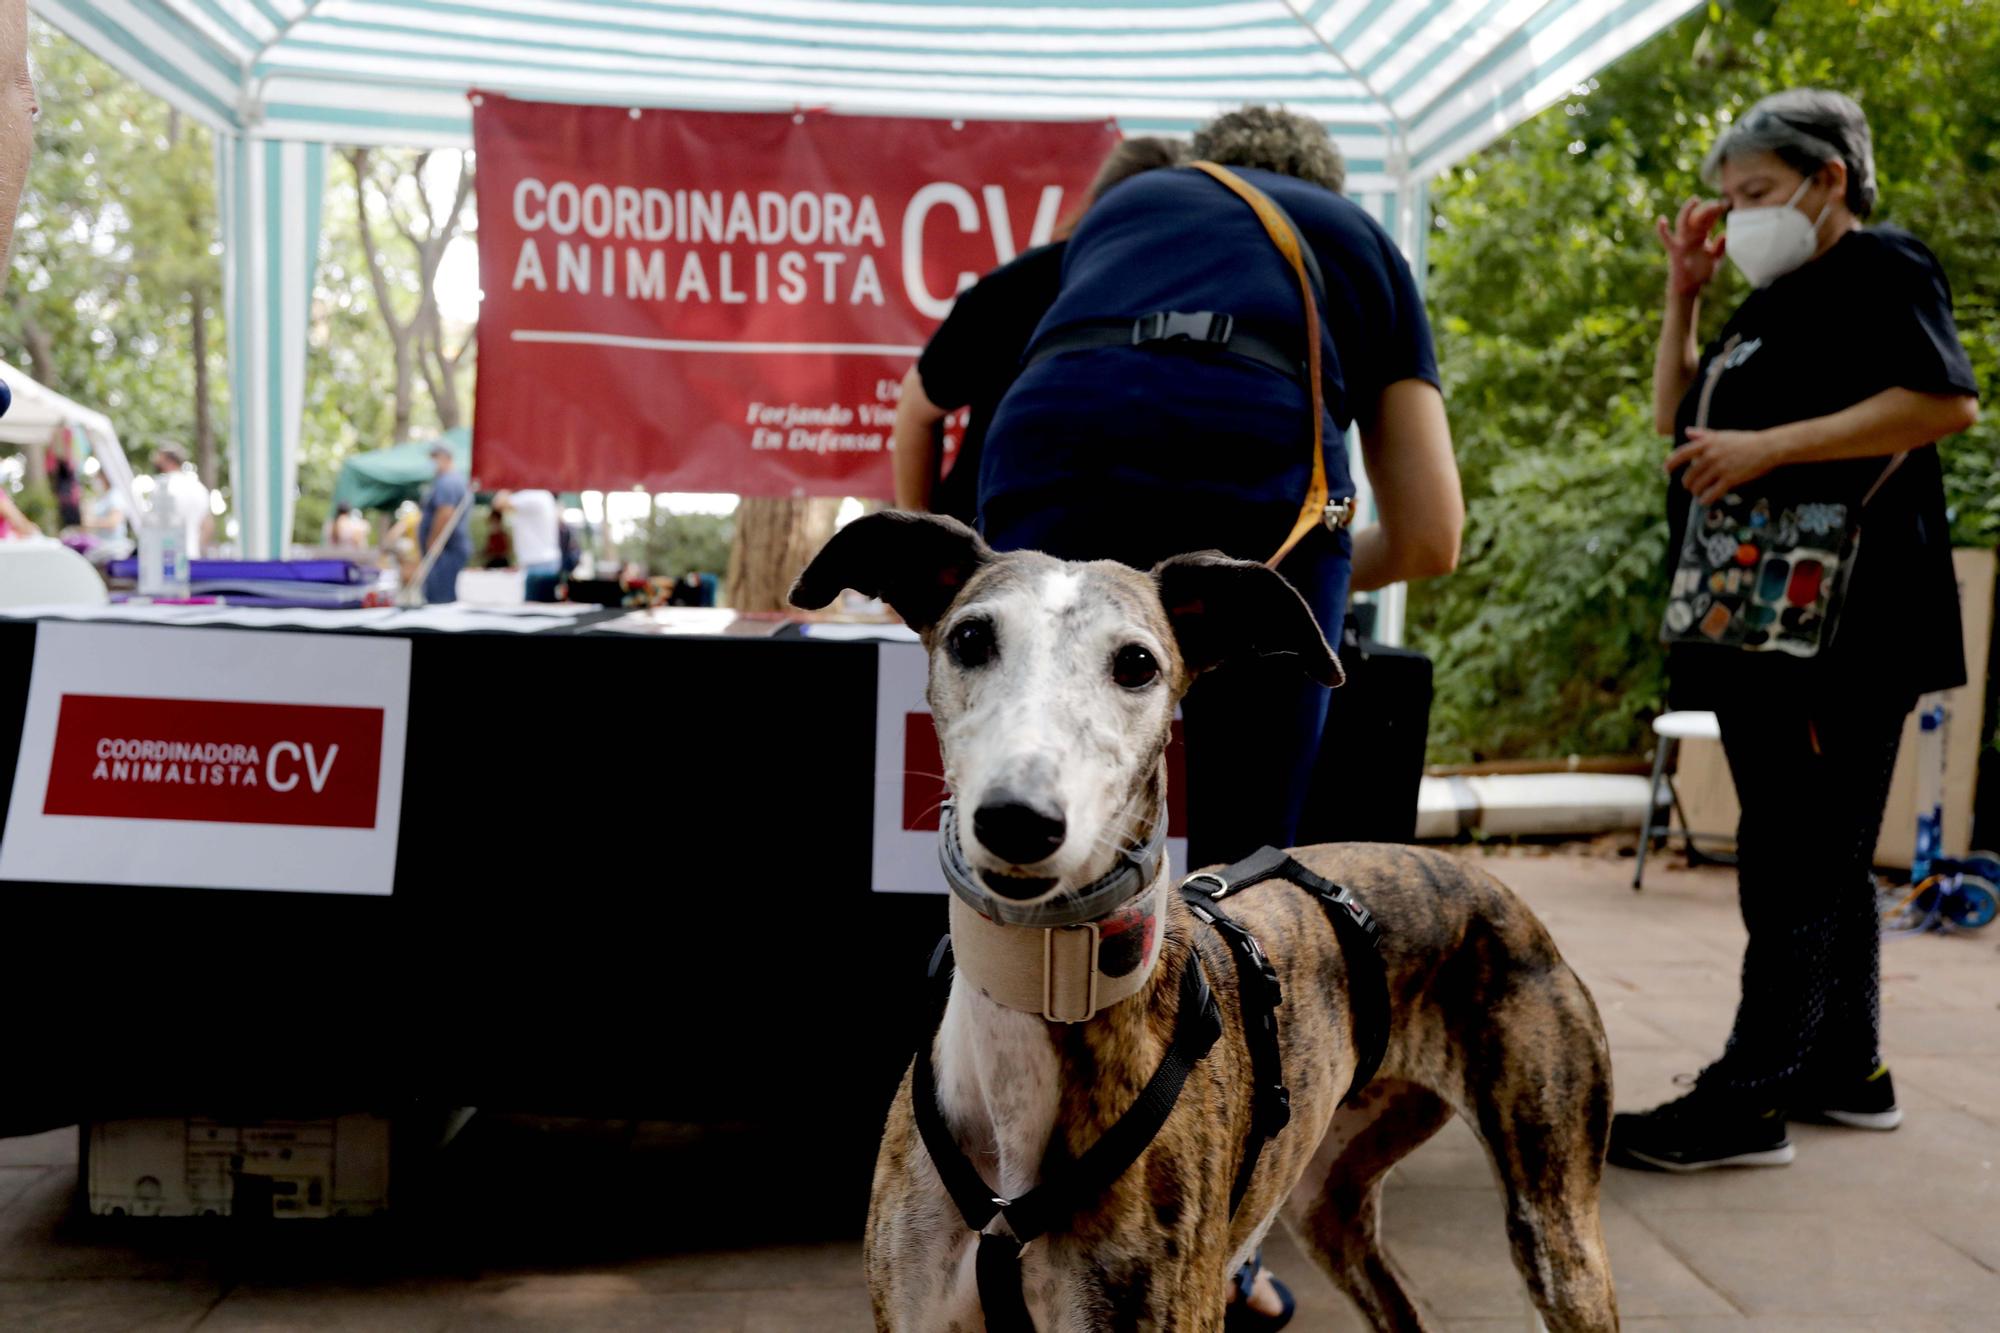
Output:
x=1117 y=450
x=976 y=353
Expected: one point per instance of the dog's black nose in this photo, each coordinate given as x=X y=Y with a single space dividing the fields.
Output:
x=1016 y=831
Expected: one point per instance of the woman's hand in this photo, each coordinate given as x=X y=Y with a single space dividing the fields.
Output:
x=1692 y=253
x=1718 y=461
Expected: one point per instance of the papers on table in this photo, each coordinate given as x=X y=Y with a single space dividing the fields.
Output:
x=842 y=631
x=529 y=619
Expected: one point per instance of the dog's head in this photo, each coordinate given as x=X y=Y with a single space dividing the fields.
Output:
x=1053 y=683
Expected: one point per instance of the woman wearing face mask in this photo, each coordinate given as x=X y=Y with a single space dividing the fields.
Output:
x=1841 y=360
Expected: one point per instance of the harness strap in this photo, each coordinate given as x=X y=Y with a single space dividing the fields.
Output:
x=1260 y=994
x=1051 y=1204
x=1360 y=937
x=1313 y=511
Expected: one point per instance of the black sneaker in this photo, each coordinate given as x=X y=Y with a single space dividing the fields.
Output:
x=1868 y=1103
x=1708 y=1127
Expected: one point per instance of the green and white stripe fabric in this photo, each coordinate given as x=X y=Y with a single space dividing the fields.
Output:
x=270 y=204
x=1406 y=86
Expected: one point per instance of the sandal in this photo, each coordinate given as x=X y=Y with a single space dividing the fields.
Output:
x=1242 y=1318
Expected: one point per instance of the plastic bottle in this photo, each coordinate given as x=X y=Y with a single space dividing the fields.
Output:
x=163 y=553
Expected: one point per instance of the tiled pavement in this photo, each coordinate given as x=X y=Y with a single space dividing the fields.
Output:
x=1893 y=1232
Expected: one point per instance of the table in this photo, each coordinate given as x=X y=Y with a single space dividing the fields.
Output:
x=632 y=881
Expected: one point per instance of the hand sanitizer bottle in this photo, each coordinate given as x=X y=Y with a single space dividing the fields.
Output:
x=163 y=554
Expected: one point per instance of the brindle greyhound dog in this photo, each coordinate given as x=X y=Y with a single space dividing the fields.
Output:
x=1053 y=685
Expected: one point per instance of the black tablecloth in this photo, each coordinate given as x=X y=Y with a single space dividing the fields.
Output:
x=632 y=881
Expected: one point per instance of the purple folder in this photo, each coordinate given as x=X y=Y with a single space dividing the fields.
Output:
x=289 y=571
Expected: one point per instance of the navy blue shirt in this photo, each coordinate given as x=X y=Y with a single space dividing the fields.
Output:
x=1196 y=450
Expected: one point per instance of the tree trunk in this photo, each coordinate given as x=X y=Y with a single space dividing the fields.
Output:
x=35 y=341
x=204 y=427
x=775 y=537
x=405 y=387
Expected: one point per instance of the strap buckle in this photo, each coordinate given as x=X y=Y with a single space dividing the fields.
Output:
x=1220 y=890
x=1361 y=915
x=1087 y=934
x=1203 y=326
x=1339 y=513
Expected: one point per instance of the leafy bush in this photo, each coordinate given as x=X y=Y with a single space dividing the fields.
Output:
x=1546 y=284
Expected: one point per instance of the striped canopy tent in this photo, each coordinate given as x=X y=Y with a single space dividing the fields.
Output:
x=1406 y=86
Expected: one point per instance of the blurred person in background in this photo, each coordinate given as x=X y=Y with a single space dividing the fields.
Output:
x=172 y=476
x=349 y=530
x=535 y=524
x=1843 y=357
x=14 y=523
x=454 y=547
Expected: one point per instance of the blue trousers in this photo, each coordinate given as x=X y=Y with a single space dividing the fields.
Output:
x=441 y=584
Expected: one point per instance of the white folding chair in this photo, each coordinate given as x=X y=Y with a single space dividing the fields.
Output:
x=44 y=572
x=1671 y=729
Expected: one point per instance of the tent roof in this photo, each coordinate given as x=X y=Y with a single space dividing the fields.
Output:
x=1406 y=85
x=384 y=478
x=38 y=412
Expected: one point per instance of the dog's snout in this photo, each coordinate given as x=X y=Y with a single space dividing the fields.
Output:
x=1017 y=831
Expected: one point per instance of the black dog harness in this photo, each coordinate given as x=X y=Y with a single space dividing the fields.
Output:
x=1197 y=1026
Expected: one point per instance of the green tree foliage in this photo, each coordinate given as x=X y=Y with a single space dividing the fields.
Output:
x=1546 y=282
x=114 y=250
x=118 y=245
x=670 y=545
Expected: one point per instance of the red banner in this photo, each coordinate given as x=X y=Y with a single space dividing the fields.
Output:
x=718 y=301
x=221 y=762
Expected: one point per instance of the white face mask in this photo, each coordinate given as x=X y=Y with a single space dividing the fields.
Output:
x=1767 y=243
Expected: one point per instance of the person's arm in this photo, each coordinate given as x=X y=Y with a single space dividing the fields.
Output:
x=1718 y=461
x=15 y=519
x=18 y=110
x=914 y=439
x=1692 y=257
x=1406 y=448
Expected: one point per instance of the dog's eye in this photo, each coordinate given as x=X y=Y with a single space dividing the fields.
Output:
x=971 y=643
x=1134 y=667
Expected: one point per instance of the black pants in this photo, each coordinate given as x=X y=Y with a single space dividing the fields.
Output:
x=1812 y=783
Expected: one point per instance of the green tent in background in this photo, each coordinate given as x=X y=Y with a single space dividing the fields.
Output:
x=384 y=478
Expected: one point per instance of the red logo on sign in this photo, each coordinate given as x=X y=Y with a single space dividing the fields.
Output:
x=217 y=761
x=924 y=789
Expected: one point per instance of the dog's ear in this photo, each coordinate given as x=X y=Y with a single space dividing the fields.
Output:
x=916 y=563
x=1223 y=609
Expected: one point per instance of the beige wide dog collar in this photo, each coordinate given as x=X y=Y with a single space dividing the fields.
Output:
x=1067 y=974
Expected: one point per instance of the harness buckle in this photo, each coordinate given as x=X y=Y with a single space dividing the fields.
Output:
x=1221 y=888
x=1087 y=934
x=1362 y=916
x=1202 y=326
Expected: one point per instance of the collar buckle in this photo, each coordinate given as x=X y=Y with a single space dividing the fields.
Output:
x=1087 y=936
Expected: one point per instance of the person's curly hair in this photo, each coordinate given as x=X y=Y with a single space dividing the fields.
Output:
x=1273 y=139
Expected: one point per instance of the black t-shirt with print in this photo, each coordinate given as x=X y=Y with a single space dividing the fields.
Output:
x=1872 y=313
x=976 y=353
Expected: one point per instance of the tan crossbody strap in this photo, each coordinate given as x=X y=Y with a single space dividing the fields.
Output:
x=1313 y=512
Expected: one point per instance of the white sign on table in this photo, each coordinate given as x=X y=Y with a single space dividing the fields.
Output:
x=160 y=756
